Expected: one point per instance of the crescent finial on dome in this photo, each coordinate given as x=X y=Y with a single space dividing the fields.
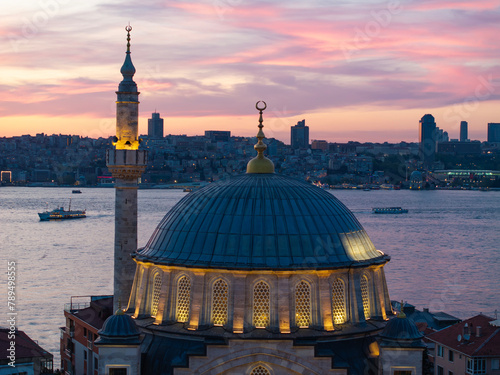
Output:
x=260 y=164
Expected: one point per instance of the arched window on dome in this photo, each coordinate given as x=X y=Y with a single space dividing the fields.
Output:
x=155 y=296
x=183 y=299
x=303 y=304
x=365 y=296
x=220 y=292
x=338 y=302
x=260 y=370
x=261 y=305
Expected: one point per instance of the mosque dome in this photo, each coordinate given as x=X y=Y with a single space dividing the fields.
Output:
x=118 y=328
x=260 y=221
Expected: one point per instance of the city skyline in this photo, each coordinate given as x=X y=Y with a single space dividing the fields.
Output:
x=364 y=71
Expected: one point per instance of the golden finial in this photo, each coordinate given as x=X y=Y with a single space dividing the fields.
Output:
x=128 y=28
x=401 y=311
x=260 y=164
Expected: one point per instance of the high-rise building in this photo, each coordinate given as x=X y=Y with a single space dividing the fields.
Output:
x=493 y=132
x=427 y=139
x=155 y=126
x=463 y=131
x=300 y=135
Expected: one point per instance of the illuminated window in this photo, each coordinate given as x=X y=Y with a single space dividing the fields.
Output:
x=219 y=302
x=156 y=294
x=183 y=299
x=338 y=302
x=303 y=304
x=260 y=370
x=365 y=296
x=261 y=305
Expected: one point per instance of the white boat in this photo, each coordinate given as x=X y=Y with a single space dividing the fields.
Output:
x=389 y=210
x=61 y=214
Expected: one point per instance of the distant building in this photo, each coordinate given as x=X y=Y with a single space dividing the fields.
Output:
x=427 y=139
x=463 y=131
x=469 y=347
x=300 y=135
x=493 y=132
x=218 y=135
x=30 y=358
x=441 y=135
x=317 y=144
x=460 y=148
x=155 y=126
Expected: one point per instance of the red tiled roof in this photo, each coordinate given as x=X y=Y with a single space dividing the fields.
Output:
x=488 y=344
x=25 y=346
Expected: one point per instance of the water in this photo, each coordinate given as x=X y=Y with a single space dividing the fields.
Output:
x=445 y=251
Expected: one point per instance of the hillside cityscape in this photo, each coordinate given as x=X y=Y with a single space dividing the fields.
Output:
x=70 y=160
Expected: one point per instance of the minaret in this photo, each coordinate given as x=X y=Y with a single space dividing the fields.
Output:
x=126 y=164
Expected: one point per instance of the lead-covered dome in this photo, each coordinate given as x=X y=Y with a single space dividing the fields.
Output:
x=260 y=221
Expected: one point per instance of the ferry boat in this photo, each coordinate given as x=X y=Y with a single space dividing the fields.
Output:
x=62 y=214
x=76 y=191
x=389 y=210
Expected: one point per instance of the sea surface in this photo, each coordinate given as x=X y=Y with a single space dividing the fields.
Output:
x=445 y=253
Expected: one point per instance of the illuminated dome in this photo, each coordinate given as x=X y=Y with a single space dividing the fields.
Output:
x=260 y=221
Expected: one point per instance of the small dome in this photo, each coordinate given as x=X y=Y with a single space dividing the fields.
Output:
x=260 y=221
x=118 y=328
x=401 y=328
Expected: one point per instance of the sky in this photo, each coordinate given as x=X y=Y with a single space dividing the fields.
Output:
x=361 y=70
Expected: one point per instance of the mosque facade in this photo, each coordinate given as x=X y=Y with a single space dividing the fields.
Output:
x=259 y=274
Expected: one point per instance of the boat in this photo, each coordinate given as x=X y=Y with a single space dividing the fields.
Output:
x=76 y=191
x=61 y=214
x=389 y=210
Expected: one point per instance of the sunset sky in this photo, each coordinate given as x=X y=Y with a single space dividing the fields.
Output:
x=364 y=70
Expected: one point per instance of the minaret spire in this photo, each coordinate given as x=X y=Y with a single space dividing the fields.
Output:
x=260 y=164
x=126 y=163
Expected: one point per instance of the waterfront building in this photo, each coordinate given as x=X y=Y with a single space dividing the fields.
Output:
x=469 y=347
x=493 y=132
x=300 y=135
x=29 y=359
x=257 y=274
x=427 y=139
x=155 y=126
x=464 y=132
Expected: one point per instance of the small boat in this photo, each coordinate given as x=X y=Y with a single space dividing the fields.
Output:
x=62 y=214
x=389 y=210
x=187 y=190
x=76 y=191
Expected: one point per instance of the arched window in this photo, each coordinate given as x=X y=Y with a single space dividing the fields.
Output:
x=260 y=370
x=365 y=296
x=338 y=302
x=219 y=302
x=155 y=300
x=261 y=305
x=303 y=304
x=183 y=299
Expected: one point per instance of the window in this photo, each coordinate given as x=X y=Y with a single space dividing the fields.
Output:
x=450 y=355
x=260 y=370
x=495 y=364
x=440 y=351
x=365 y=296
x=476 y=366
x=303 y=304
x=261 y=305
x=84 y=331
x=84 y=354
x=183 y=299
x=402 y=372
x=338 y=302
x=118 y=371
x=219 y=302
x=156 y=294
x=450 y=372
x=440 y=370
x=96 y=364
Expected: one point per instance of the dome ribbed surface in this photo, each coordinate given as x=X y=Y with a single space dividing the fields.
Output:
x=119 y=328
x=260 y=221
x=401 y=329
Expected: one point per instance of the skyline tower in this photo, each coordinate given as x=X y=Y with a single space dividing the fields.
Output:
x=300 y=135
x=427 y=140
x=493 y=132
x=464 y=131
x=155 y=126
x=126 y=163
